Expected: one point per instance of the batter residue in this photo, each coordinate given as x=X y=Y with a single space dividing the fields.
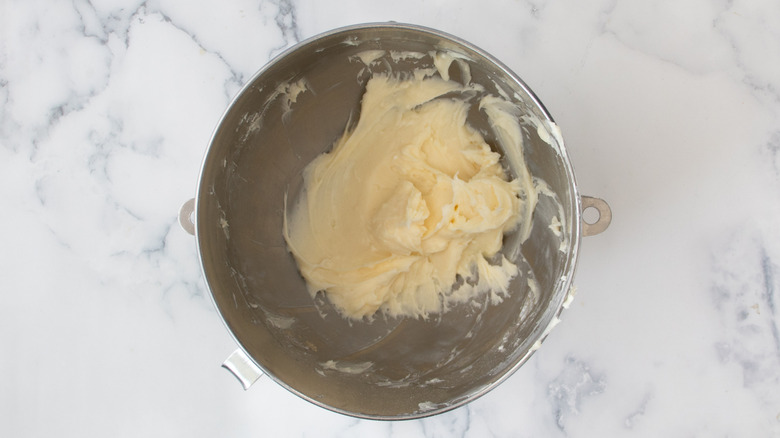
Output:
x=407 y=212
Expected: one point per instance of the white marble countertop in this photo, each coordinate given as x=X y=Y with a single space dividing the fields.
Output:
x=671 y=111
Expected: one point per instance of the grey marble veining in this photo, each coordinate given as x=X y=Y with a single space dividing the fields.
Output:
x=671 y=112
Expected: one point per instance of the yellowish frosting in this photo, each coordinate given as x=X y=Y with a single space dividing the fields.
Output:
x=407 y=205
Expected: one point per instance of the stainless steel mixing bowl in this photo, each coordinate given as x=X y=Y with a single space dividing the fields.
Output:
x=387 y=368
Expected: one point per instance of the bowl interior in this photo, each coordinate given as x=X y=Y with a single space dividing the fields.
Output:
x=387 y=368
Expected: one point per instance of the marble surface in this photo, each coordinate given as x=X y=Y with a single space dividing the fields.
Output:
x=671 y=111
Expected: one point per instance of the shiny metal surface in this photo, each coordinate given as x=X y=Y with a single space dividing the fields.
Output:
x=388 y=368
x=242 y=366
x=603 y=219
x=186 y=218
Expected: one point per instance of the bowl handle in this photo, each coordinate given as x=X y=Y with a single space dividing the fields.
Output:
x=243 y=368
x=603 y=220
x=185 y=216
